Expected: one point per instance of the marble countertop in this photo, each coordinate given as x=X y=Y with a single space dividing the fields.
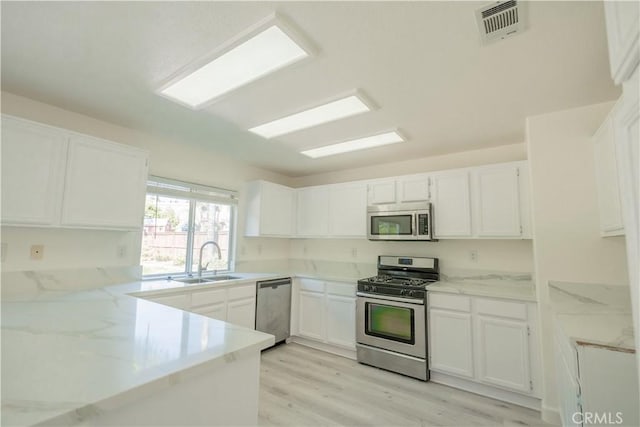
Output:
x=594 y=314
x=497 y=285
x=66 y=353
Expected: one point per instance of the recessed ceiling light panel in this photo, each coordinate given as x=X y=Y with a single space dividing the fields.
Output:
x=356 y=144
x=260 y=52
x=345 y=107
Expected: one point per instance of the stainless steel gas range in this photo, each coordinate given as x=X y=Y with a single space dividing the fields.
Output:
x=391 y=328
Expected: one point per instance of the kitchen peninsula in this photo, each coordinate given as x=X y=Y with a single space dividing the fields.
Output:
x=103 y=357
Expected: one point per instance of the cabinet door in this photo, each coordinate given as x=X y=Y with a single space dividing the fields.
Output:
x=313 y=211
x=498 y=201
x=381 y=192
x=33 y=159
x=451 y=348
x=341 y=321
x=276 y=210
x=568 y=393
x=105 y=185
x=215 y=311
x=414 y=189
x=348 y=210
x=503 y=353
x=311 y=321
x=607 y=180
x=242 y=312
x=623 y=30
x=451 y=207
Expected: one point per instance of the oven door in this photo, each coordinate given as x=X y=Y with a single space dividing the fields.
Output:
x=391 y=226
x=391 y=324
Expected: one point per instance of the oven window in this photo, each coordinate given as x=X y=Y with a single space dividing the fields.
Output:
x=392 y=225
x=390 y=322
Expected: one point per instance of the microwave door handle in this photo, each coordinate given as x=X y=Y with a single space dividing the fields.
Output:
x=414 y=219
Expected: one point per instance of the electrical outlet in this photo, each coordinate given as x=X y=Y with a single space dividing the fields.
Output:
x=473 y=255
x=3 y=251
x=121 y=251
x=37 y=252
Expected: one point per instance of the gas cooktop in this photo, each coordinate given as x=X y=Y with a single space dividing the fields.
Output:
x=401 y=277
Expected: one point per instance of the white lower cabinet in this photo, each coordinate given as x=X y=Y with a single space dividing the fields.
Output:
x=503 y=353
x=233 y=304
x=341 y=328
x=325 y=312
x=312 y=318
x=451 y=343
x=242 y=312
x=484 y=340
x=595 y=380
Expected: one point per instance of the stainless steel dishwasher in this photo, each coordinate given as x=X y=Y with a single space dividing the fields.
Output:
x=273 y=307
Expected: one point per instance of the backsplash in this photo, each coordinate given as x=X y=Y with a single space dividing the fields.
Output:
x=18 y=284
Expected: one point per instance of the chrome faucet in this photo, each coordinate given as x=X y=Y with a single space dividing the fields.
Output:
x=210 y=242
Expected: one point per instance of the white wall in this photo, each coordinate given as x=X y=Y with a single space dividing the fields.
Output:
x=171 y=159
x=567 y=242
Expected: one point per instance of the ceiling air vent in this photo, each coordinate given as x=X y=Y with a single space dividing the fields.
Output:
x=500 y=20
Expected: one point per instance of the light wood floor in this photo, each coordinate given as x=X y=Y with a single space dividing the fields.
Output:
x=306 y=387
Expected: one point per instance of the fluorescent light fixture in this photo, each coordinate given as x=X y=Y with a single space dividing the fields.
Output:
x=335 y=110
x=355 y=144
x=262 y=54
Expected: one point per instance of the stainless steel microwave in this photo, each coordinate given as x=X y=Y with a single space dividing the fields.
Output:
x=405 y=221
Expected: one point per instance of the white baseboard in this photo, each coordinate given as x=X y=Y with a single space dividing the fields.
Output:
x=488 y=391
x=340 y=351
x=551 y=415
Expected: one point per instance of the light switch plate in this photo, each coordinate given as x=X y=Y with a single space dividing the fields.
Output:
x=37 y=252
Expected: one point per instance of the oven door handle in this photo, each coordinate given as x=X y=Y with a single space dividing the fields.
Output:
x=389 y=298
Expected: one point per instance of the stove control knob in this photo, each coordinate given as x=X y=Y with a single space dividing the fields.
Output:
x=372 y=289
x=366 y=287
x=410 y=293
x=403 y=291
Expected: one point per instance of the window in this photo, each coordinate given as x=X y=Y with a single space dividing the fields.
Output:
x=179 y=219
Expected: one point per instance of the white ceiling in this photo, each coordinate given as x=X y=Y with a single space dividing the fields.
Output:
x=420 y=62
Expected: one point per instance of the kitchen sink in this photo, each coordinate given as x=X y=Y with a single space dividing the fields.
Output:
x=192 y=280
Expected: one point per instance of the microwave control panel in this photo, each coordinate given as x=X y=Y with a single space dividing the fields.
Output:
x=423 y=224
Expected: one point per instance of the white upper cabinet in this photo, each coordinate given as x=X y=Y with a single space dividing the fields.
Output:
x=347 y=210
x=623 y=33
x=105 y=185
x=413 y=189
x=399 y=190
x=313 y=211
x=33 y=158
x=497 y=200
x=269 y=209
x=607 y=180
x=381 y=192
x=450 y=196
x=52 y=177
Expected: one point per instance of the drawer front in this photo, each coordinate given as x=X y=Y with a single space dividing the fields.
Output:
x=239 y=292
x=178 y=301
x=342 y=289
x=208 y=297
x=449 y=302
x=509 y=309
x=311 y=285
